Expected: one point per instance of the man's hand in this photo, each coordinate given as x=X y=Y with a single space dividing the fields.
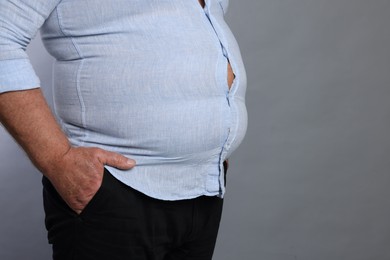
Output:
x=78 y=175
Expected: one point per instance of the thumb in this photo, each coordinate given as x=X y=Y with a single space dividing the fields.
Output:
x=116 y=160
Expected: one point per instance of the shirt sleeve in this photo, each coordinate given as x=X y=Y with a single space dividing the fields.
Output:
x=20 y=21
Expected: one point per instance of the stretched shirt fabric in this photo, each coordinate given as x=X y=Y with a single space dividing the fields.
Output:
x=144 y=78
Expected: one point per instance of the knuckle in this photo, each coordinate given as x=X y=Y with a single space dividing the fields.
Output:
x=97 y=151
x=118 y=159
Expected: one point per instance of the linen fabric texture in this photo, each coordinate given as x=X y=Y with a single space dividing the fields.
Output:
x=147 y=79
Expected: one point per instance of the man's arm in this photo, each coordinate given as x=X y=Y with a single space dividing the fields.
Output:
x=76 y=173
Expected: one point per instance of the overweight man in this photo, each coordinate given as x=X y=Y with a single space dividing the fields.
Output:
x=149 y=103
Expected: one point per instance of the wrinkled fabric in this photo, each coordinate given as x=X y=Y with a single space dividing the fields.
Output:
x=144 y=78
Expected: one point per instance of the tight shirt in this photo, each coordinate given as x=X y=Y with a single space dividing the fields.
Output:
x=144 y=78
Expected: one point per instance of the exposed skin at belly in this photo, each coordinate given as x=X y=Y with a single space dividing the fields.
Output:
x=230 y=73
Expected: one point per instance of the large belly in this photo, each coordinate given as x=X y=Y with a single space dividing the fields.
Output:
x=131 y=94
x=163 y=129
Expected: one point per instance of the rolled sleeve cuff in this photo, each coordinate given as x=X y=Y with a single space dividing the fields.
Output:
x=17 y=74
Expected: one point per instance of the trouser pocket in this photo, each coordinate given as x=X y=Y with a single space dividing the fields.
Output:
x=53 y=201
x=62 y=223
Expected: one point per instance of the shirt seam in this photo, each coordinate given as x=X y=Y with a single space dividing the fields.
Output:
x=78 y=73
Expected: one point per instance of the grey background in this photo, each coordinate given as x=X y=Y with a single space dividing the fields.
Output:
x=310 y=181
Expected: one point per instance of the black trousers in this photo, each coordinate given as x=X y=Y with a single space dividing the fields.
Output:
x=120 y=223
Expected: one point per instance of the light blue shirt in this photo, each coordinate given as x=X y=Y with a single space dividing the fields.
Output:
x=144 y=78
